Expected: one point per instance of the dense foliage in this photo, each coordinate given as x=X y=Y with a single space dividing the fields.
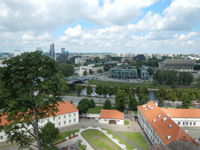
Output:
x=66 y=69
x=107 y=104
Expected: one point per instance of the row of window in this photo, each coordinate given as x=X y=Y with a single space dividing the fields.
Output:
x=187 y=123
x=106 y=120
x=59 y=123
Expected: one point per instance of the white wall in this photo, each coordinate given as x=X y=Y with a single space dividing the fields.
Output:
x=187 y=122
x=106 y=121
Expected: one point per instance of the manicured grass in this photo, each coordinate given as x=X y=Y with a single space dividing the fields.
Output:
x=135 y=112
x=97 y=109
x=62 y=136
x=7 y=145
x=135 y=85
x=121 y=140
x=126 y=122
x=82 y=147
x=87 y=134
x=137 y=138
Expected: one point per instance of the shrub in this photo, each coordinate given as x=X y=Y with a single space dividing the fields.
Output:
x=92 y=103
x=107 y=104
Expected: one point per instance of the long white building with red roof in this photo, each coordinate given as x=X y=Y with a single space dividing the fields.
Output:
x=67 y=115
x=159 y=127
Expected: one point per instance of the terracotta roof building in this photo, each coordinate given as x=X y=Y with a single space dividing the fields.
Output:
x=159 y=127
x=111 y=117
x=67 y=115
x=184 y=117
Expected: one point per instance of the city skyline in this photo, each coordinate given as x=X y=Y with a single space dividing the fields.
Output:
x=113 y=26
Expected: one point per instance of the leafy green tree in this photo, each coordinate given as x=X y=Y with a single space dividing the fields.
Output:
x=107 y=104
x=198 y=81
x=105 y=90
x=110 y=91
x=83 y=106
x=78 y=89
x=133 y=103
x=66 y=69
x=99 y=71
x=92 y=103
x=174 y=85
x=115 y=88
x=71 y=102
x=89 y=90
x=84 y=73
x=48 y=134
x=30 y=83
x=99 y=90
x=120 y=100
x=186 y=102
x=91 y=71
x=151 y=70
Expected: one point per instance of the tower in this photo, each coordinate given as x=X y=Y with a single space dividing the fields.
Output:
x=62 y=50
x=52 y=51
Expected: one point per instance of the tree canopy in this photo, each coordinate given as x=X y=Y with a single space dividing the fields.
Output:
x=66 y=69
x=78 y=89
x=83 y=106
x=120 y=100
x=32 y=88
x=107 y=104
x=89 y=90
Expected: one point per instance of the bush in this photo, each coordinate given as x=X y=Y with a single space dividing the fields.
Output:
x=107 y=104
x=174 y=85
x=92 y=103
x=71 y=101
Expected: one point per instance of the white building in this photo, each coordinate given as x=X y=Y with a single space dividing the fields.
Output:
x=159 y=127
x=81 y=69
x=16 y=52
x=184 y=117
x=67 y=115
x=111 y=117
x=79 y=60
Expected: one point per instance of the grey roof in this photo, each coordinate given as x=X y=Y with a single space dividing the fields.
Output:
x=179 y=62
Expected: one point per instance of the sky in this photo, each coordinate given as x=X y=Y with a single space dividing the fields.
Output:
x=116 y=26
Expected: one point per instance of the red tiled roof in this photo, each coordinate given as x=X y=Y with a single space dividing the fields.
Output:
x=162 y=127
x=63 y=108
x=111 y=114
x=182 y=113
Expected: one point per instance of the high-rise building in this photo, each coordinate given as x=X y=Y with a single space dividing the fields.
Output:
x=66 y=52
x=16 y=52
x=62 y=50
x=52 y=51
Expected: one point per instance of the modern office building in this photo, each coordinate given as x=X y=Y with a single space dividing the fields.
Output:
x=126 y=59
x=52 y=51
x=143 y=73
x=62 y=58
x=62 y=50
x=123 y=71
x=140 y=57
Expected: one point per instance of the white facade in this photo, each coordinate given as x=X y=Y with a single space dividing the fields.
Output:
x=59 y=121
x=106 y=121
x=187 y=122
x=16 y=52
x=79 y=60
x=81 y=69
x=147 y=128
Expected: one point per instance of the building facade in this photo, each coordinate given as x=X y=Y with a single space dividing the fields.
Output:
x=52 y=51
x=62 y=50
x=67 y=115
x=143 y=73
x=123 y=71
x=16 y=53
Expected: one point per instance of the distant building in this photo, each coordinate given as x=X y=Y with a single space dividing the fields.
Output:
x=123 y=71
x=0 y=54
x=16 y=53
x=52 y=51
x=126 y=59
x=62 y=58
x=104 y=56
x=66 y=52
x=159 y=127
x=178 y=64
x=62 y=50
x=140 y=57
x=143 y=73
x=79 y=60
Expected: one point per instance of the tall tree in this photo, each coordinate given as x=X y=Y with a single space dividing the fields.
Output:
x=83 y=106
x=120 y=100
x=84 y=73
x=78 y=89
x=99 y=90
x=107 y=104
x=91 y=71
x=105 y=90
x=92 y=103
x=89 y=90
x=66 y=69
x=133 y=103
x=151 y=70
x=32 y=89
x=110 y=91
x=115 y=88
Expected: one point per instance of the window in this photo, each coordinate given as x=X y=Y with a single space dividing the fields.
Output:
x=59 y=117
x=41 y=121
x=69 y=121
x=183 y=123
x=74 y=114
x=47 y=120
x=186 y=123
x=59 y=123
x=118 y=120
x=53 y=119
x=179 y=123
x=74 y=120
x=105 y=119
x=194 y=123
x=64 y=122
x=69 y=115
x=190 y=123
x=1 y=137
x=64 y=116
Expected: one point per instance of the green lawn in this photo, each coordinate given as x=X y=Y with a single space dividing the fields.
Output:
x=121 y=140
x=87 y=134
x=126 y=122
x=136 y=137
x=7 y=145
x=97 y=109
x=82 y=147
x=135 y=112
x=62 y=136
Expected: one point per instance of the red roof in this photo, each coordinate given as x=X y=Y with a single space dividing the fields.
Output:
x=161 y=127
x=111 y=114
x=182 y=113
x=63 y=108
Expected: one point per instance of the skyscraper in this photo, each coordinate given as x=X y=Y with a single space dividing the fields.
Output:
x=62 y=50
x=52 y=51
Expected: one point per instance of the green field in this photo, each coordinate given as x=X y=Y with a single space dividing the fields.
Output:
x=135 y=112
x=97 y=109
x=137 y=138
x=126 y=122
x=135 y=85
x=62 y=136
x=82 y=147
x=88 y=134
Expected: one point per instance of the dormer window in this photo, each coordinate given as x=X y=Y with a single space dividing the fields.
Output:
x=164 y=118
x=159 y=116
x=183 y=136
x=145 y=109
x=151 y=108
x=168 y=137
x=167 y=114
x=143 y=106
x=170 y=125
x=154 y=120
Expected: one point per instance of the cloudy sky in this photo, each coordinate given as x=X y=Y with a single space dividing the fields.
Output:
x=118 y=26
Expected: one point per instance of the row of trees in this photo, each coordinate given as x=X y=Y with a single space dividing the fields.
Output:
x=169 y=77
x=84 y=105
